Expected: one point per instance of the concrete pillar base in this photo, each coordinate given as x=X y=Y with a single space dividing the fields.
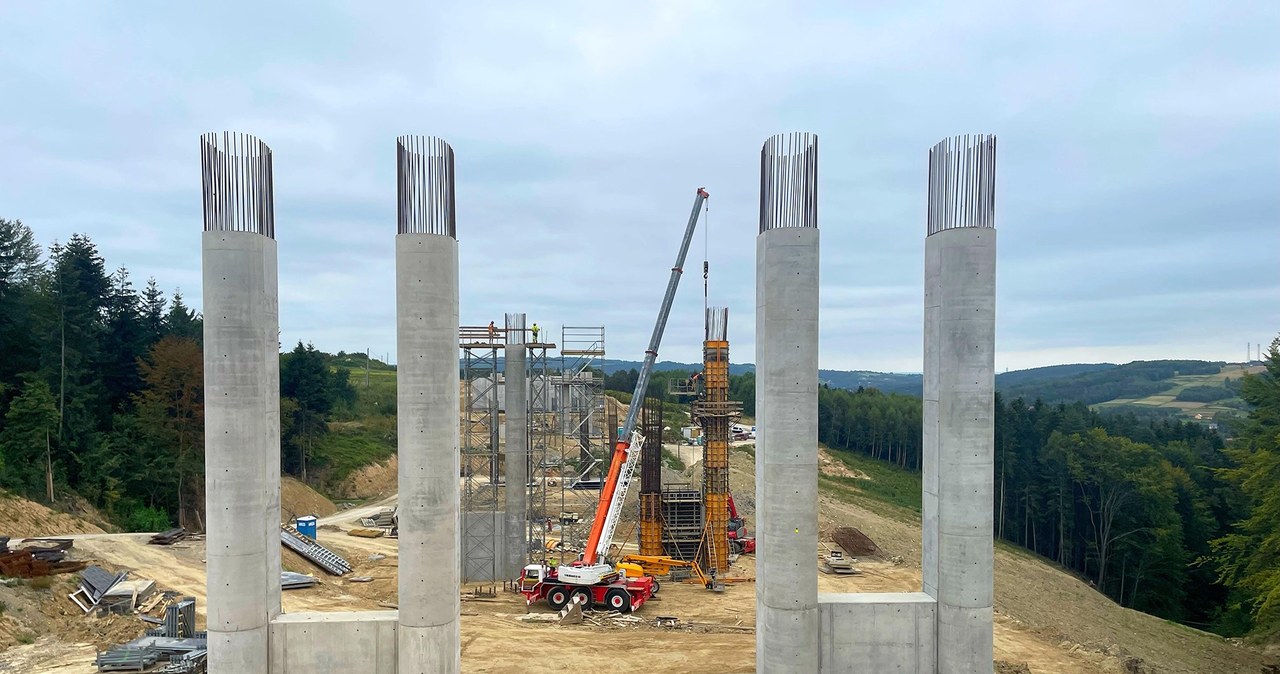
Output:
x=429 y=650
x=877 y=632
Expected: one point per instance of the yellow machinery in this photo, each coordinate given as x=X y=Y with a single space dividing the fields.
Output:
x=659 y=565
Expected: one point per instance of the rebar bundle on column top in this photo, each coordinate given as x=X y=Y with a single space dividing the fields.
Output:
x=789 y=181
x=236 y=184
x=962 y=183
x=425 y=186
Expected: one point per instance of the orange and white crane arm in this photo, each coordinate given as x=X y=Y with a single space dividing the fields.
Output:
x=610 y=500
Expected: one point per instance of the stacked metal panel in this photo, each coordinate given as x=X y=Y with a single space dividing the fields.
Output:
x=296 y=581
x=318 y=554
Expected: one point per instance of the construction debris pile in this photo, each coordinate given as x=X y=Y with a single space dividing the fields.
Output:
x=35 y=561
x=384 y=518
x=176 y=642
x=169 y=537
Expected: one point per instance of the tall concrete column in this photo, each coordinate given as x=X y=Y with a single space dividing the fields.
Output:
x=242 y=401
x=516 y=546
x=787 y=406
x=427 y=401
x=959 y=399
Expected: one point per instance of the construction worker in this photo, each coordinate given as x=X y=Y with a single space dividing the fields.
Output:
x=493 y=331
x=535 y=329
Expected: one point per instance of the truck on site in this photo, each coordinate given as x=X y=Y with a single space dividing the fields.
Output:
x=591 y=580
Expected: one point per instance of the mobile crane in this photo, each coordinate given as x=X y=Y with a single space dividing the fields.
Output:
x=591 y=579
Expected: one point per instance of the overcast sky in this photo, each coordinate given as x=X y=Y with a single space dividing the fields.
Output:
x=1138 y=168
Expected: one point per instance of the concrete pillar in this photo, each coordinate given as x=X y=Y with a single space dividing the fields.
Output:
x=959 y=399
x=242 y=402
x=516 y=532
x=427 y=407
x=787 y=407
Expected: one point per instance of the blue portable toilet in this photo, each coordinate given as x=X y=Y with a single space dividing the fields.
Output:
x=307 y=526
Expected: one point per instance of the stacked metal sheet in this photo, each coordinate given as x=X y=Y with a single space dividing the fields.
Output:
x=318 y=554
x=296 y=581
x=32 y=562
x=383 y=518
x=95 y=582
x=168 y=537
x=126 y=659
x=177 y=642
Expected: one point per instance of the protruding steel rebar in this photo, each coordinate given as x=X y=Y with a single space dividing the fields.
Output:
x=515 y=328
x=717 y=324
x=425 y=186
x=789 y=181
x=962 y=183
x=236 y=184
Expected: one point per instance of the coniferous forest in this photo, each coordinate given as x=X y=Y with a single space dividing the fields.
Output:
x=101 y=399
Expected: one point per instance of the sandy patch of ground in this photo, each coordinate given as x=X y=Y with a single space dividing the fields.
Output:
x=20 y=517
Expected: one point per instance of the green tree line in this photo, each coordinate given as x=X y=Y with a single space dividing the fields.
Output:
x=101 y=387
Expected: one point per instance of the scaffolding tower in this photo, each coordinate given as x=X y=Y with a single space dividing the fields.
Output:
x=480 y=464
x=545 y=446
x=585 y=454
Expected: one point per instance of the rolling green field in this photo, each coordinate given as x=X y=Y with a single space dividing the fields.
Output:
x=1168 y=398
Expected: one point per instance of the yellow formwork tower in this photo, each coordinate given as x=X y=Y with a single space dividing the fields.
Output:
x=716 y=414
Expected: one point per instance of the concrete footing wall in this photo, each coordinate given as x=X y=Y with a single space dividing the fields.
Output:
x=335 y=643
x=877 y=632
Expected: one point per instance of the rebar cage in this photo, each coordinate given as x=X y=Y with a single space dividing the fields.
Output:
x=236 y=182
x=789 y=181
x=425 y=186
x=962 y=183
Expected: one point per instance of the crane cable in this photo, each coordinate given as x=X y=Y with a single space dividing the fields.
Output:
x=706 y=267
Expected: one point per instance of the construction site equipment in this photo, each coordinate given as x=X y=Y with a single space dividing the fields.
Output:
x=591 y=578
x=628 y=440
x=614 y=590
x=743 y=543
x=318 y=554
x=835 y=562
x=662 y=565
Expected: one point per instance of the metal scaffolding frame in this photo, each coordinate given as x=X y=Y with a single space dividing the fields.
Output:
x=585 y=452
x=545 y=445
x=480 y=460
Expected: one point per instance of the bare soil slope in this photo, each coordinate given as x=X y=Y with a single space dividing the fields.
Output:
x=21 y=518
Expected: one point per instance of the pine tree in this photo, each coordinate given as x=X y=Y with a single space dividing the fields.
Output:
x=1249 y=558
x=25 y=459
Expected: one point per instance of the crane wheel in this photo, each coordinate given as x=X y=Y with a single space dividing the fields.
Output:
x=618 y=600
x=656 y=586
x=586 y=597
x=557 y=598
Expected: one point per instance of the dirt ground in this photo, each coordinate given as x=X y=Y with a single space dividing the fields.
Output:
x=1045 y=619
